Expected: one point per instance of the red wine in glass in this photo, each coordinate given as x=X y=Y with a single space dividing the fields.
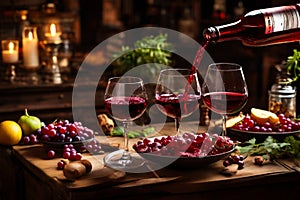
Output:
x=125 y=108
x=175 y=106
x=224 y=90
x=225 y=102
x=125 y=100
x=177 y=93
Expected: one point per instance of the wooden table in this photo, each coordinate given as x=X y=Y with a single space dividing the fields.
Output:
x=38 y=178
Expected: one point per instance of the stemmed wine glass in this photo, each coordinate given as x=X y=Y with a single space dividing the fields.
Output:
x=177 y=93
x=224 y=90
x=125 y=100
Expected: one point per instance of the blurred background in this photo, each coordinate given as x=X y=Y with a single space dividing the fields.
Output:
x=85 y=23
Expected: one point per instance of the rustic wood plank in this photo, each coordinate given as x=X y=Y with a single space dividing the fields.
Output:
x=107 y=182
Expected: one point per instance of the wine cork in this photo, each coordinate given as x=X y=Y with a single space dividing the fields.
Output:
x=76 y=169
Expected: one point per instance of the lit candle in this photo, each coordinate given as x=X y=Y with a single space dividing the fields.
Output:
x=30 y=48
x=53 y=35
x=10 y=52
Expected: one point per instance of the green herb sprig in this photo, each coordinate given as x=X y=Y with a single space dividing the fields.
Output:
x=271 y=148
x=119 y=132
x=293 y=65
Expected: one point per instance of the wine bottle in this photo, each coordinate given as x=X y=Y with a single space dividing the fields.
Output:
x=260 y=27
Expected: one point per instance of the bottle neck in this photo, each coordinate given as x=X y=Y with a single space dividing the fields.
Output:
x=225 y=32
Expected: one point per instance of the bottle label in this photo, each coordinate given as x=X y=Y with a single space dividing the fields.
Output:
x=281 y=18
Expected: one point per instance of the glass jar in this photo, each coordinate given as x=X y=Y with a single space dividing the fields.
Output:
x=282 y=98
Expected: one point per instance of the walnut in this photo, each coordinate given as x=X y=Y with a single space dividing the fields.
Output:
x=259 y=160
x=106 y=124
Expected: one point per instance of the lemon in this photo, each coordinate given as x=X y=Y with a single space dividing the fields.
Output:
x=10 y=132
x=263 y=116
x=233 y=121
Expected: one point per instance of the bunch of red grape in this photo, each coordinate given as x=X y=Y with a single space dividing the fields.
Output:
x=234 y=159
x=69 y=152
x=285 y=124
x=185 y=145
x=64 y=131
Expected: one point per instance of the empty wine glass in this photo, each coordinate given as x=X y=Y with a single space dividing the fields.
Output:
x=125 y=100
x=177 y=93
x=224 y=90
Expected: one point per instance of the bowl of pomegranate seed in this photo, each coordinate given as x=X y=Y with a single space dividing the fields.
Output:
x=188 y=150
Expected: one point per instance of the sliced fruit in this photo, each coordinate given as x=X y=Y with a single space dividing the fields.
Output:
x=233 y=121
x=263 y=116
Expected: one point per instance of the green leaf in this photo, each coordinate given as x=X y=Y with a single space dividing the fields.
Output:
x=118 y=131
x=266 y=157
x=245 y=149
x=270 y=147
x=252 y=141
x=292 y=66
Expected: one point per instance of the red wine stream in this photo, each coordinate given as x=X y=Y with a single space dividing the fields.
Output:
x=196 y=64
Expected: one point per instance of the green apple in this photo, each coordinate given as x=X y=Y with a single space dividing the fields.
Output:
x=29 y=124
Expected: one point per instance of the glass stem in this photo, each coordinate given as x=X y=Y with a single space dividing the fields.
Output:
x=224 y=125
x=177 y=124
x=126 y=157
x=125 y=126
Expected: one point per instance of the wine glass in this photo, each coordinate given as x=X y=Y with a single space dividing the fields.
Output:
x=224 y=90
x=125 y=100
x=177 y=93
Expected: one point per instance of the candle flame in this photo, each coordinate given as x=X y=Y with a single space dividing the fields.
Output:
x=11 y=47
x=30 y=35
x=53 y=29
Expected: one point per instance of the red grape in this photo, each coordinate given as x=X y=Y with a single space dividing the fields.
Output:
x=45 y=130
x=226 y=163
x=60 y=165
x=51 y=126
x=66 y=155
x=78 y=156
x=51 y=132
x=296 y=126
x=267 y=125
x=251 y=123
x=62 y=129
x=72 y=127
x=51 y=154
x=247 y=118
x=26 y=140
x=240 y=164
x=234 y=159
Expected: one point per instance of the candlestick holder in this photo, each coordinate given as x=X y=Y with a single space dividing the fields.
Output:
x=10 y=57
x=51 y=48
